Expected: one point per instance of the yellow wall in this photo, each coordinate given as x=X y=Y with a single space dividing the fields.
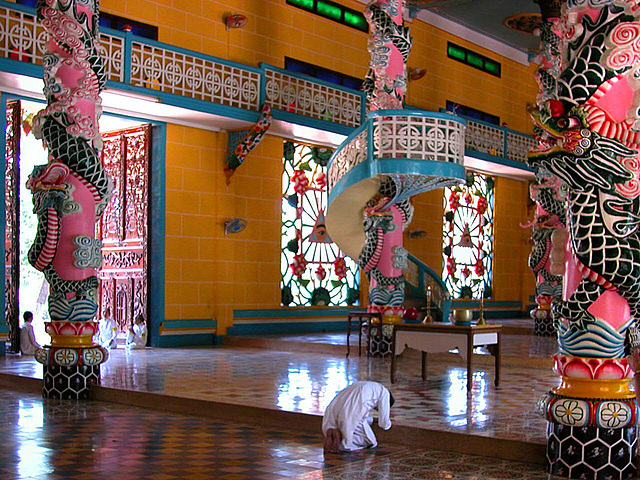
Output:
x=276 y=30
x=512 y=278
x=208 y=274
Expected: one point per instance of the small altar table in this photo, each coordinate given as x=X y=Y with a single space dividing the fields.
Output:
x=442 y=337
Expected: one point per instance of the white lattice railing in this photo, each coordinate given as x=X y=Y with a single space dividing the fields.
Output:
x=401 y=135
x=518 y=146
x=312 y=99
x=23 y=39
x=192 y=76
x=418 y=137
x=352 y=154
x=167 y=69
x=484 y=138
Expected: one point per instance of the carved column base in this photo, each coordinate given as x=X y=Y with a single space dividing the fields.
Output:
x=69 y=382
x=543 y=322
x=591 y=452
x=70 y=371
x=380 y=346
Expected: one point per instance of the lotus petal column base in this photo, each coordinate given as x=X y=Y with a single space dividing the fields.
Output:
x=591 y=453
x=71 y=383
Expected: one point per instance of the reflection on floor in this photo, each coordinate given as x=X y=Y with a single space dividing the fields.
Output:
x=306 y=382
x=92 y=440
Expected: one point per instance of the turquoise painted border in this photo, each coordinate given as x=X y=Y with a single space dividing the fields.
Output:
x=383 y=166
x=190 y=323
x=287 y=327
x=19 y=7
x=157 y=227
x=294 y=312
x=3 y=205
x=416 y=113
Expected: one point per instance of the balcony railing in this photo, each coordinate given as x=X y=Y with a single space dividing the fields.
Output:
x=497 y=141
x=197 y=81
x=427 y=143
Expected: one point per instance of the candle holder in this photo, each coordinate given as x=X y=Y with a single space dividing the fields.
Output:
x=428 y=318
x=481 y=320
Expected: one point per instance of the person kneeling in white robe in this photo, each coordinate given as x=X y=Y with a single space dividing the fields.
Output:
x=28 y=344
x=137 y=335
x=346 y=424
x=107 y=331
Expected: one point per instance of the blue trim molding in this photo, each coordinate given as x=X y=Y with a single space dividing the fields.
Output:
x=3 y=171
x=157 y=228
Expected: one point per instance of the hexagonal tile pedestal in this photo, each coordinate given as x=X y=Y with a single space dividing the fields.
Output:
x=69 y=382
x=591 y=453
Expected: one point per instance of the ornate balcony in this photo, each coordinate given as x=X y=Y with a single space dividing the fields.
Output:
x=183 y=86
x=423 y=150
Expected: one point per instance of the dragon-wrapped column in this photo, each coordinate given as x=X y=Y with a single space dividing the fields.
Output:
x=586 y=122
x=547 y=255
x=70 y=193
x=383 y=256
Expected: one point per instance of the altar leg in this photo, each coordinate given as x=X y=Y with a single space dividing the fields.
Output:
x=424 y=365
x=496 y=351
x=469 y=363
x=392 y=372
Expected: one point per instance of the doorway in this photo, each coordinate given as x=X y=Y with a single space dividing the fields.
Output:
x=126 y=157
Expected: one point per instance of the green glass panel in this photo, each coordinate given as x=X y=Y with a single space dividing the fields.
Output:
x=492 y=67
x=356 y=20
x=456 y=52
x=308 y=4
x=474 y=60
x=327 y=10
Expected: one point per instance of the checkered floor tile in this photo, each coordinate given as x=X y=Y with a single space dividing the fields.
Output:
x=307 y=382
x=55 y=440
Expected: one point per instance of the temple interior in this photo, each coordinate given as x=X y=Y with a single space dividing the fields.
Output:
x=259 y=203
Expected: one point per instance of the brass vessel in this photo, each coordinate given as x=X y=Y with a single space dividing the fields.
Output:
x=462 y=316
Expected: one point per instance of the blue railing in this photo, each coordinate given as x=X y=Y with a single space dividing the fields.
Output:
x=419 y=277
x=414 y=142
x=487 y=141
x=189 y=79
x=196 y=81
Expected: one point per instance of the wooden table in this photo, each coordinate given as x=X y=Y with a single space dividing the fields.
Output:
x=442 y=337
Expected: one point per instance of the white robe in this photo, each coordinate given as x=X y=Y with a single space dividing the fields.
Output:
x=138 y=338
x=350 y=412
x=28 y=344
x=107 y=333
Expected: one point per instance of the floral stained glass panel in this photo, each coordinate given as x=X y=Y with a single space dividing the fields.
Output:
x=314 y=270
x=468 y=237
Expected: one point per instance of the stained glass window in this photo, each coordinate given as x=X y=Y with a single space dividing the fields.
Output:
x=314 y=270
x=468 y=237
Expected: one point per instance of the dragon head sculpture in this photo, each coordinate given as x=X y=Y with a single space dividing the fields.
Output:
x=568 y=149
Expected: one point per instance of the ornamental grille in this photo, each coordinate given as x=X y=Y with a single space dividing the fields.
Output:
x=485 y=139
x=315 y=100
x=23 y=39
x=195 y=77
x=422 y=138
x=314 y=271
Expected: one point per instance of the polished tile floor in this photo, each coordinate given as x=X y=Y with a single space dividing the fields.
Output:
x=306 y=382
x=53 y=440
